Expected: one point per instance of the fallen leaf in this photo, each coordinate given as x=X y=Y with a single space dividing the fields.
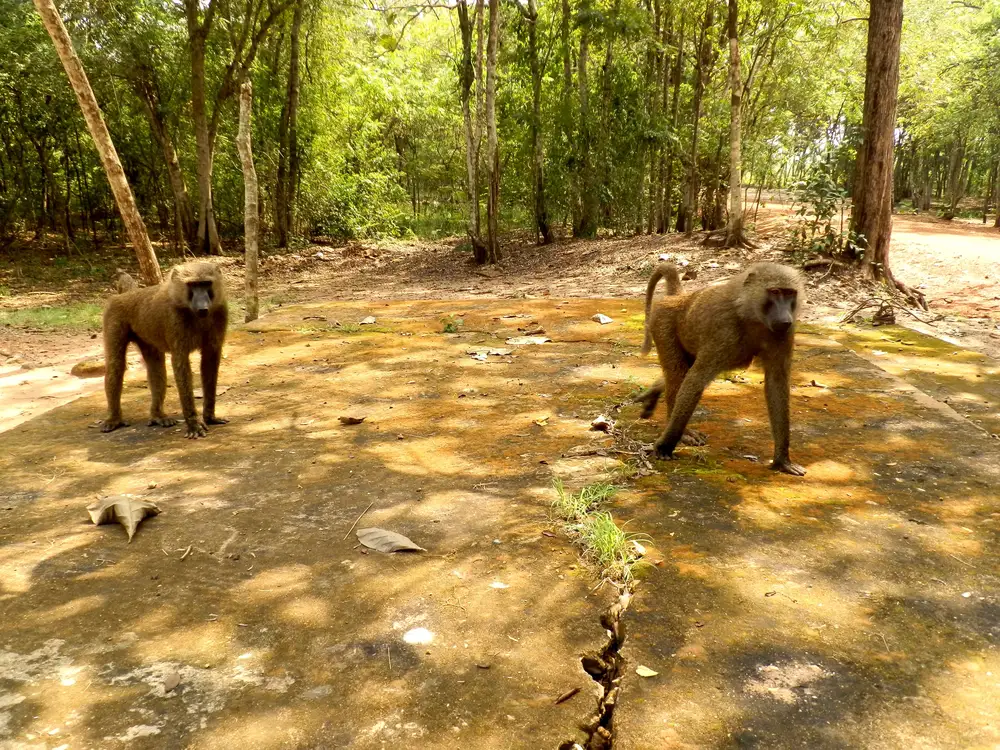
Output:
x=370 y=320
x=602 y=319
x=499 y=585
x=381 y=540
x=492 y=351
x=526 y=340
x=351 y=420
x=639 y=549
x=644 y=671
x=127 y=510
x=543 y=422
x=548 y=533
x=171 y=681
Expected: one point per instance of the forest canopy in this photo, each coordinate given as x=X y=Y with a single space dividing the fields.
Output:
x=373 y=119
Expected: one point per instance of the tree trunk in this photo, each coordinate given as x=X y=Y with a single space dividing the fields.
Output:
x=587 y=223
x=668 y=188
x=872 y=212
x=148 y=265
x=701 y=62
x=493 y=146
x=467 y=78
x=146 y=88
x=250 y=208
x=542 y=228
x=288 y=162
x=956 y=178
x=573 y=192
x=734 y=231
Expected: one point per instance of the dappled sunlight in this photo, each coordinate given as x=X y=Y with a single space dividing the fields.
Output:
x=306 y=611
x=428 y=456
x=19 y=560
x=277 y=583
x=72 y=608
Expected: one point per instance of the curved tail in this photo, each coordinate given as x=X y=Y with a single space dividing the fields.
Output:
x=666 y=271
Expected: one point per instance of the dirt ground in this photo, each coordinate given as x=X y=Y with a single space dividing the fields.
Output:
x=854 y=607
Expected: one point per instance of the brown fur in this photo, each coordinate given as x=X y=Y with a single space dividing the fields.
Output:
x=719 y=328
x=161 y=319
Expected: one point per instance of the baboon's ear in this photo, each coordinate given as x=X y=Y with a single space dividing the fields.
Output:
x=750 y=277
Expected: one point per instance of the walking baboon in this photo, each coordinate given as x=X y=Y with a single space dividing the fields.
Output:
x=723 y=327
x=186 y=312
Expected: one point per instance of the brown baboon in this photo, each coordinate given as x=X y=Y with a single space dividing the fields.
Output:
x=124 y=282
x=186 y=312
x=720 y=328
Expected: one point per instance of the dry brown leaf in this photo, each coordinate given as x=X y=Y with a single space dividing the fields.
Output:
x=527 y=340
x=387 y=541
x=127 y=510
x=351 y=420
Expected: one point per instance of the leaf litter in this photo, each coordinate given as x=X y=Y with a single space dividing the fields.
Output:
x=128 y=510
x=382 y=540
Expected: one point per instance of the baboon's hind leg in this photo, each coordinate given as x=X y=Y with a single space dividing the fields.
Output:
x=156 y=376
x=115 y=349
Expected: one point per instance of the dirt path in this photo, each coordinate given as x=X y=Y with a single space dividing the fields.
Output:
x=855 y=603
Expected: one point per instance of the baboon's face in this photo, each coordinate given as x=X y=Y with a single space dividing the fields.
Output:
x=779 y=309
x=200 y=295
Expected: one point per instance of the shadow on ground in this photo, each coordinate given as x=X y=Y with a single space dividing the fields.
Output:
x=858 y=602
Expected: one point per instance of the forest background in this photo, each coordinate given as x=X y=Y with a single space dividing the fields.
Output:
x=565 y=117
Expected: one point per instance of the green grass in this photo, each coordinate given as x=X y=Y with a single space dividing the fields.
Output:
x=574 y=508
x=80 y=316
x=452 y=323
x=610 y=547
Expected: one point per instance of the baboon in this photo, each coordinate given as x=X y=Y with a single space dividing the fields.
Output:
x=723 y=327
x=186 y=312
x=124 y=282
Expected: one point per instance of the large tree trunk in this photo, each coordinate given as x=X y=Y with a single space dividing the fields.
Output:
x=251 y=218
x=148 y=265
x=542 y=228
x=872 y=212
x=207 y=235
x=587 y=223
x=566 y=119
x=493 y=146
x=467 y=77
x=956 y=178
x=288 y=162
x=734 y=231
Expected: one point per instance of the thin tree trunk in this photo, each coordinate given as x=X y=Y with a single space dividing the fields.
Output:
x=250 y=207
x=587 y=224
x=207 y=235
x=567 y=116
x=542 y=228
x=251 y=215
x=292 y=144
x=467 y=78
x=702 y=60
x=148 y=265
x=734 y=231
x=668 y=189
x=493 y=146
x=872 y=212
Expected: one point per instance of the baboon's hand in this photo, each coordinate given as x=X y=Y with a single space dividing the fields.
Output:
x=788 y=467
x=662 y=451
x=216 y=420
x=196 y=428
x=108 y=425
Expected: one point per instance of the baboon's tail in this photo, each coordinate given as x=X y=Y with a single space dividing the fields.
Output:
x=666 y=271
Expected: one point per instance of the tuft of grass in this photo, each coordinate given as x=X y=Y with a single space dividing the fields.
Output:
x=4 y=291
x=80 y=316
x=609 y=546
x=574 y=508
x=452 y=323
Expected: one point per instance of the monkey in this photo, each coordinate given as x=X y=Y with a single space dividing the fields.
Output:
x=186 y=312
x=124 y=282
x=723 y=327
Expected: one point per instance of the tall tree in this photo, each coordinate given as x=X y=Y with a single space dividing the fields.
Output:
x=134 y=225
x=703 y=61
x=285 y=187
x=472 y=124
x=871 y=217
x=493 y=144
x=251 y=212
x=734 y=231
x=586 y=225
x=543 y=230
x=248 y=26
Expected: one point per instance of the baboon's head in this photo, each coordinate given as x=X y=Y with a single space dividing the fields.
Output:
x=197 y=286
x=772 y=294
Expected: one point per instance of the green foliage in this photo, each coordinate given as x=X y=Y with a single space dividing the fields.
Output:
x=80 y=316
x=452 y=324
x=821 y=211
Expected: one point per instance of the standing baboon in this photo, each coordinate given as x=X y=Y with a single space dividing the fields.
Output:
x=720 y=328
x=124 y=282
x=186 y=312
